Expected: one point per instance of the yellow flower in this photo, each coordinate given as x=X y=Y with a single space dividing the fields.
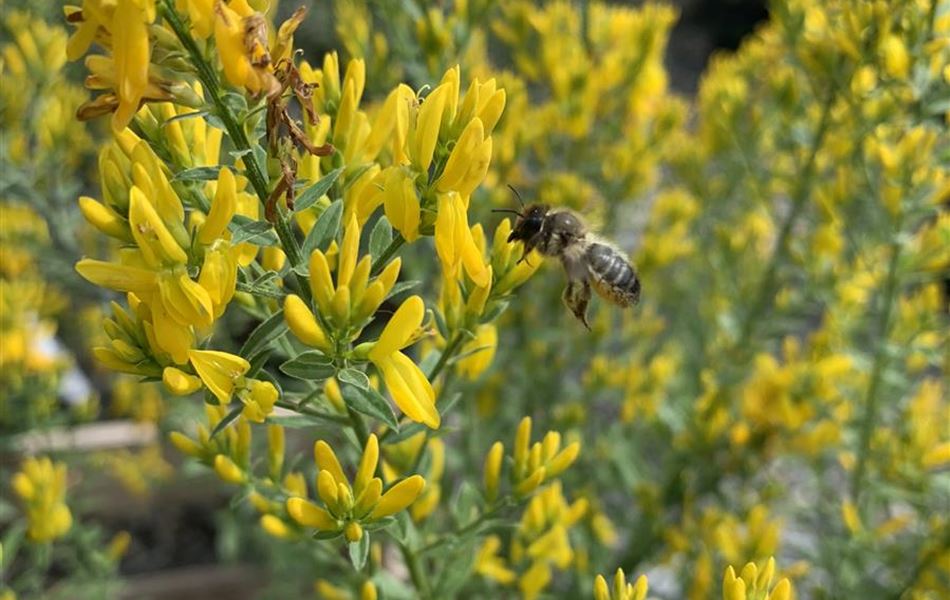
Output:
x=754 y=583
x=478 y=352
x=454 y=242
x=241 y=37
x=409 y=387
x=227 y=470
x=41 y=487
x=303 y=324
x=621 y=589
x=489 y=564
x=347 y=507
x=540 y=462
x=221 y=372
x=493 y=463
x=401 y=202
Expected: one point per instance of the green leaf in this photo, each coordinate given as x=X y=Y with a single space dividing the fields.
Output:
x=258 y=361
x=359 y=551
x=405 y=433
x=380 y=524
x=311 y=365
x=227 y=420
x=380 y=237
x=326 y=535
x=401 y=287
x=11 y=544
x=324 y=230
x=259 y=233
x=313 y=193
x=369 y=402
x=301 y=421
x=198 y=174
x=455 y=570
x=264 y=334
x=498 y=307
x=354 y=377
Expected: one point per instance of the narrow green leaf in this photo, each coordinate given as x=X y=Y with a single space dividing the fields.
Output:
x=227 y=420
x=198 y=174
x=313 y=193
x=309 y=366
x=359 y=551
x=380 y=237
x=265 y=333
x=324 y=230
x=354 y=377
x=369 y=402
x=401 y=287
x=259 y=233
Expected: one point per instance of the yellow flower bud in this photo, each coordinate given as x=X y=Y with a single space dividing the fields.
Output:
x=398 y=497
x=321 y=285
x=309 y=514
x=227 y=470
x=367 y=467
x=326 y=460
x=353 y=532
x=493 y=464
x=303 y=324
x=275 y=527
x=222 y=208
x=105 y=219
x=180 y=383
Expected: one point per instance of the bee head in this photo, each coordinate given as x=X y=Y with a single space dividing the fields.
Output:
x=529 y=222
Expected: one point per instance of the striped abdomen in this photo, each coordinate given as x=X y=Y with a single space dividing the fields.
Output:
x=612 y=275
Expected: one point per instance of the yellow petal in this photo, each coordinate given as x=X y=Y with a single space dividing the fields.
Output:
x=399 y=497
x=222 y=208
x=410 y=389
x=326 y=459
x=304 y=324
x=367 y=468
x=117 y=277
x=218 y=370
x=398 y=332
x=309 y=514
x=180 y=383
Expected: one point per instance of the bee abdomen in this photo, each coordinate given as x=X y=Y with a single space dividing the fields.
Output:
x=613 y=275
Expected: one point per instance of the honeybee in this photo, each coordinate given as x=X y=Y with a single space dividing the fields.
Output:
x=587 y=259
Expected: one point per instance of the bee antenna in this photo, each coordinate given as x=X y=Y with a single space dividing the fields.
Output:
x=506 y=210
x=517 y=195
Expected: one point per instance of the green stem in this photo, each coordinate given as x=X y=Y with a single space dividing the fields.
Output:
x=450 y=349
x=877 y=374
x=255 y=175
x=415 y=570
x=765 y=293
x=497 y=508
x=312 y=412
x=380 y=262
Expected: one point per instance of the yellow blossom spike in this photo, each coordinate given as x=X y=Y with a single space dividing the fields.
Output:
x=309 y=514
x=367 y=467
x=219 y=371
x=326 y=459
x=259 y=399
x=303 y=324
x=398 y=332
x=399 y=497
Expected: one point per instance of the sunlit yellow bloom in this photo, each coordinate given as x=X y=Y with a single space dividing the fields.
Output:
x=489 y=564
x=304 y=324
x=540 y=462
x=454 y=242
x=347 y=507
x=227 y=470
x=41 y=486
x=754 y=583
x=401 y=203
x=409 y=387
x=621 y=590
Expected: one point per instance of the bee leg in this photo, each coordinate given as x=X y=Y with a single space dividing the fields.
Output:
x=577 y=296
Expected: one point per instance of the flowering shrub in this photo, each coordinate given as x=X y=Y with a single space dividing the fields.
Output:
x=304 y=247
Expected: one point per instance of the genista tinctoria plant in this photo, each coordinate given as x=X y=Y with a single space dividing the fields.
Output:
x=304 y=247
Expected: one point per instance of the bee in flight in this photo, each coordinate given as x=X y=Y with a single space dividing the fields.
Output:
x=587 y=259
